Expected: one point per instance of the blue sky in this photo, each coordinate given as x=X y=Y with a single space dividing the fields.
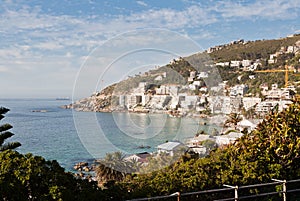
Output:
x=44 y=44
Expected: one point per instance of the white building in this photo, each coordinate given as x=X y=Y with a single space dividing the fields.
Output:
x=193 y=74
x=188 y=102
x=251 y=77
x=140 y=89
x=253 y=67
x=201 y=150
x=246 y=63
x=139 y=157
x=202 y=75
x=223 y=64
x=249 y=102
x=197 y=140
x=227 y=139
x=219 y=104
x=158 y=78
x=197 y=83
x=246 y=124
x=171 y=148
x=235 y=63
x=167 y=89
x=268 y=105
x=238 y=90
x=292 y=49
x=272 y=59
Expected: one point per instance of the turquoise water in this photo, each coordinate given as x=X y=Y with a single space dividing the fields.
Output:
x=70 y=137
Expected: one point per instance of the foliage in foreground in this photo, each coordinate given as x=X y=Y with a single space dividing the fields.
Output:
x=5 y=133
x=271 y=151
x=28 y=177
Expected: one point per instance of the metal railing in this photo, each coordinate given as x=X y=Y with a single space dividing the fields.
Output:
x=235 y=193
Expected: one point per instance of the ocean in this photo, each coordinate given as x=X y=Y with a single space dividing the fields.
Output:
x=45 y=129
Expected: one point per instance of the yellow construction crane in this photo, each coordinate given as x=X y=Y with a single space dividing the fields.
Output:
x=286 y=71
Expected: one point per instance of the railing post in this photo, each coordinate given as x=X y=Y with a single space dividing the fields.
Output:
x=284 y=190
x=178 y=195
x=283 y=187
x=236 y=193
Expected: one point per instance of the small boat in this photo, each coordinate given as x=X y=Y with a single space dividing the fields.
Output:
x=144 y=147
x=39 y=111
x=63 y=98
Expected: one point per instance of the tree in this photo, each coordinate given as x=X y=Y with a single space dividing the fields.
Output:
x=5 y=133
x=271 y=151
x=113 y=167
x=233 y=120
x=28 y=177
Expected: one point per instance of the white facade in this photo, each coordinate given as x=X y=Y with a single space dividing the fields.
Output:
x=171 y=148
x=167 y=90
x=235 y=63
x=189 y=102
x=238 y=90
x=192 y=74
x=223 y=64
x=249 y=102
x=219 y=104
x=202 y=75
x=246 y=63
x=227 y=139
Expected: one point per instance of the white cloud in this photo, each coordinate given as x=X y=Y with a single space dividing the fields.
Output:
x=34 y=42
x=142 y=3
x=48 y=45
x=192 y=16
x=269 y=9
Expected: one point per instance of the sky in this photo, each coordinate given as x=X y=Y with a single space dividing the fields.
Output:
x=50 y=49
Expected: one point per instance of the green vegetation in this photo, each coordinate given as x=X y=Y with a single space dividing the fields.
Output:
x=233 y=120
x=28 y=177
x=253 y=50
x=271 y=151
x=179 y=70
x=114 y=167
x=5 y=133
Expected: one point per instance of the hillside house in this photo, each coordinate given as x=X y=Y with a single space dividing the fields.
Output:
x=235 y=64
x=249 y=102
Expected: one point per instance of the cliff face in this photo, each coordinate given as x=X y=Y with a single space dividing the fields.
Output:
x=91 y=104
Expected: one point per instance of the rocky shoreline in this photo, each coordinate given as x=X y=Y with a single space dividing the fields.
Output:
x=84 y=170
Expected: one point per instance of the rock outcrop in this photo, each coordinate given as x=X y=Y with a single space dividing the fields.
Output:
x=97 y=102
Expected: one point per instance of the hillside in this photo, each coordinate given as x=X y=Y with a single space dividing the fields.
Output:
x=252 y=49
x=178 y=71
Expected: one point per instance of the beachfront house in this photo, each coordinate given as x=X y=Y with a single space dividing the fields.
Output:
x=201 y=150
x=139 y=157
x=227 y=139
x=171 y=148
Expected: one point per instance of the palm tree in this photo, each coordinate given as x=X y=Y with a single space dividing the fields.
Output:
x=233 y=120
x=5 y=133
x=113 y=167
